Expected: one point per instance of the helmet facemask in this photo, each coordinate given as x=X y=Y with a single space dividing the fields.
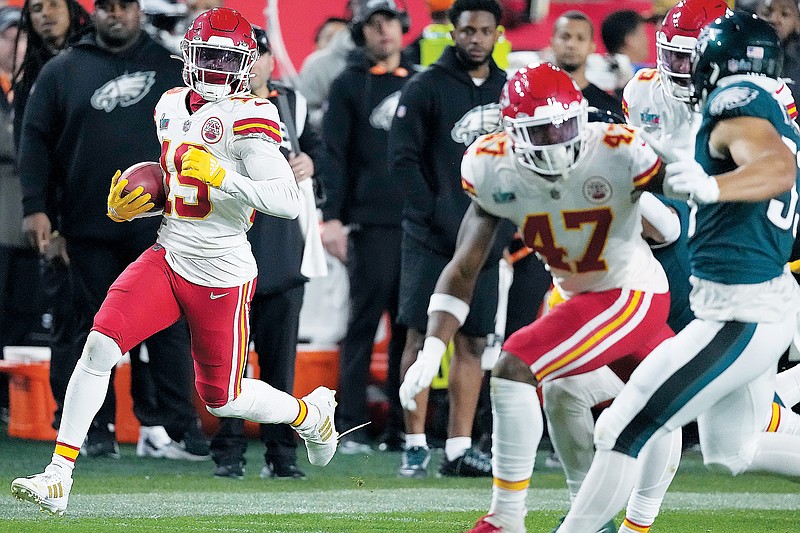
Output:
x=551 y=143
x=217 y=69
x=674 y=63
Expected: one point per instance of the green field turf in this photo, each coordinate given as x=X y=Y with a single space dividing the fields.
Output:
x=354 y=493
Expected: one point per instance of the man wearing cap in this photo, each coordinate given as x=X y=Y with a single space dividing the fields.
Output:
x=364 y=208
x=89 y=114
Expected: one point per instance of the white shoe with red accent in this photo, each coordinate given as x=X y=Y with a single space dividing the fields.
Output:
x=49 y=490
x=322 y=438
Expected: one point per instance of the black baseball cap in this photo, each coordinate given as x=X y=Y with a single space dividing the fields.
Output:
x=370 y=7
x=262 y=41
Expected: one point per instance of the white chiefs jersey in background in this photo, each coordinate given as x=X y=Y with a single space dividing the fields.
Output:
x=585 y=226
x=204 y=229
x=647 y=105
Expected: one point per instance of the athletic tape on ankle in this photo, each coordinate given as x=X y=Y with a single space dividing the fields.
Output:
x=449 y=304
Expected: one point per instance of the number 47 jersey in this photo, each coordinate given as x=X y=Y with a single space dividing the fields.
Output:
x=586 y=226
x=204 y=228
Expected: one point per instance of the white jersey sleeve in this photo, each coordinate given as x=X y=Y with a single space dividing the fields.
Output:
x=268 y=184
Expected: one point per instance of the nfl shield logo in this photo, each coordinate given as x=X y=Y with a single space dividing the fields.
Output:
x=186 y=125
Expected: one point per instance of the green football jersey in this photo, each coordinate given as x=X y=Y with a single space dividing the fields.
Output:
x=743 y=242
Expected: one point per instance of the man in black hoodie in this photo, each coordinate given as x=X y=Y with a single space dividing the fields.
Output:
x=363 y=212
x=90 y=113
x=441 y=112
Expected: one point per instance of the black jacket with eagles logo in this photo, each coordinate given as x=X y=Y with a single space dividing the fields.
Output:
x=90 y=113
x=355 y=129
x=441 y=112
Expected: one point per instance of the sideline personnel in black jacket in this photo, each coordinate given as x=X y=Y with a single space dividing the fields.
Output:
x=363 y=197
x=441 y=112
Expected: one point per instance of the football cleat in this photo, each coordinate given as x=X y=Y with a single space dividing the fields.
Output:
x=414 y=462
x=474 y=463
x=154 y=441
x=49 y=490
x=321 y=439
x=483 y=525
x=608 y=527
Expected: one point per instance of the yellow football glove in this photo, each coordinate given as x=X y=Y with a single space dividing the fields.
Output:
x=794 y=266
x=125 y=208
x=203 y=166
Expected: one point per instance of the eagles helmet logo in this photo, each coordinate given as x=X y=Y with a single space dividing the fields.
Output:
x=478 y=121
x=123 y=91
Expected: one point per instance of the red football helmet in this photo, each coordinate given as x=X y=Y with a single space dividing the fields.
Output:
x=676 y=39
x=545 y=115
x=218 y=53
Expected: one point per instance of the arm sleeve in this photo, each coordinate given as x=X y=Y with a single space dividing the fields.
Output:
x=37 y=140
x=270 y=186
x=663 y=219
x=337 y=126
x=407 y=138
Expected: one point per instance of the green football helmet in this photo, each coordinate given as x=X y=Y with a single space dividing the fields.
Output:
x=735 y=43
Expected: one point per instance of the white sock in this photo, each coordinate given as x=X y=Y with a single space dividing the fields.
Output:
x=659 y=460
x=787 y=386
x=603 y=493
x=416 y=440
x=789 y=422
x=85 y=394
x=263 y=403
x=516 y=432
x=456 y=446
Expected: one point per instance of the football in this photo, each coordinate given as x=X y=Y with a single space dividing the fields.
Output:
x=147 y=175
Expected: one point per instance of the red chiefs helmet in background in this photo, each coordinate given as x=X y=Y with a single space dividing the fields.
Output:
x=676 y=39
x=218 y=53
x=545 y=116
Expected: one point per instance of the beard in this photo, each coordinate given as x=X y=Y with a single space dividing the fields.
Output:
x=468 y=62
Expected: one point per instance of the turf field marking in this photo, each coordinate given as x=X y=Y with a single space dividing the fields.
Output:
x=357 y=502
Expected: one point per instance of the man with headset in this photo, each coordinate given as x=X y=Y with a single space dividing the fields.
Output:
x=364 y=208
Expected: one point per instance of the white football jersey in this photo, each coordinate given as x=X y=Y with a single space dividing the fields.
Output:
x=586 y=227
x=204 y=229
x=646 y=105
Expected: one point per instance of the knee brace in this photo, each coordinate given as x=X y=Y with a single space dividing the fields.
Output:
x=100 y=353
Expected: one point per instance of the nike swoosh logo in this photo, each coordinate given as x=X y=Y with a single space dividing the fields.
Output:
x=216 y=296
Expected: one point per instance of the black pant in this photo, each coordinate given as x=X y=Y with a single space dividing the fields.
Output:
x=170 y=372
x=274 y=323
x=373 y=267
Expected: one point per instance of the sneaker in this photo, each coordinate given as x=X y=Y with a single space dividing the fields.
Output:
x=281 y=470
x=483 y=525
x=353 y=447
x=154 y=441
x=233 y=470
x=101 y=442
x=322 y=439
x=49 y=490
x=414 y=462
x=195 y=442
x=474 y=463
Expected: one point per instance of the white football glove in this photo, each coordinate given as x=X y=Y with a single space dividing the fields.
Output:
x=687 y=177
x=420 y=374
